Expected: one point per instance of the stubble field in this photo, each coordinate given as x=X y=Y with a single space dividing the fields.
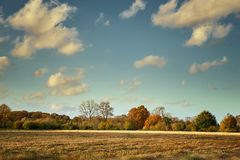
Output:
x=97 y=145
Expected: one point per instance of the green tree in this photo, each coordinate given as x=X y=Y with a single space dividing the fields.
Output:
x=205 y=121
x=228 y=124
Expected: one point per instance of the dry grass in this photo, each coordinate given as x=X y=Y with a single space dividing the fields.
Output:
x=84 y=145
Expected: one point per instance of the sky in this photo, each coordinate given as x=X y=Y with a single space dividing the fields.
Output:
x=180 y=54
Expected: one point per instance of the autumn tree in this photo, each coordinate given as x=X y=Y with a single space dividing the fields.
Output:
x=178 y=126
x=228 y=124
x=88 y=108
x=151 y=121
x=137 y=116
x=205 y=121
x=105 y=110
x=4 y=109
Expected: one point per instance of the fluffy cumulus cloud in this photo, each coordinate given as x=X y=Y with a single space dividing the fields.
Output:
x=202 y=33
x=154 y=61
x=4 y=63
x=137 y=6
x=63 y=85
x=196 y=68
x=203 y=19
x=34 y=97
x=40 y=72
x=42 y=24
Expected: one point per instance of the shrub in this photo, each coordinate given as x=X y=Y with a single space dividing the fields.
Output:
x=18 y=125
x=178 y=126
x=130 y=125
x=30 y=125
x=102 y=125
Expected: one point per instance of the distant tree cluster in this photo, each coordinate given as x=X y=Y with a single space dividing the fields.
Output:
x=94 y=116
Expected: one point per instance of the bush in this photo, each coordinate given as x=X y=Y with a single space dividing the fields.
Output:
x=30 y=125
x=178 y=126
x=159 y=126
x=102 y=125
x=48 y=124
x=130 y=125
x=18 y=125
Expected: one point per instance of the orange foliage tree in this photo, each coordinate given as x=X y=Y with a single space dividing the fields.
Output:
x=228 y=124
x=138 y=116
x=151 y=121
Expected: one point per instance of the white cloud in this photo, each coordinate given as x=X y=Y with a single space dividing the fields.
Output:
x=42 y=24
x=202 y=33
x=221 y=31
x=196 y=68
x=137 y=6
x=107 y=23
x=199 y=15
x=103 y=20
x=100 y=18
x=122 y=82
x=63 y=109
x=150 y=60
x=181 y=103
x=4 y=63
x=56 y=107
x=133 y=84
x=60 y=84
x=199 y=36
x=40 y=72
x=34 y=97
x=183 y=83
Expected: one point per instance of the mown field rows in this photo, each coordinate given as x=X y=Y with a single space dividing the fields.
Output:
x=117 y=145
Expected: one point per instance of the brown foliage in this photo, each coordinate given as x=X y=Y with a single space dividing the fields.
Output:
x=228 y=124
x=138 y=115
x=151 y=121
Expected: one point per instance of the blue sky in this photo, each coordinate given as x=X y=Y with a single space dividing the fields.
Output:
x=56 y=54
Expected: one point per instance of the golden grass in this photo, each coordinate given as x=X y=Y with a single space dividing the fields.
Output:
x=122 y=145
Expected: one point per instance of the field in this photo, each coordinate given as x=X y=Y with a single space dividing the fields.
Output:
x=91 y=145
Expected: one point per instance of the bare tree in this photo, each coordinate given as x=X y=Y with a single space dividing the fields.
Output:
x=88 y=108
x=159 y=111
x=105 y=110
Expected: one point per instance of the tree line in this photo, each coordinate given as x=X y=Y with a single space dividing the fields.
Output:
x=94 y=116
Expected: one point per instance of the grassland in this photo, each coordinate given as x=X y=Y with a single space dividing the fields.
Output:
x=93 y=145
